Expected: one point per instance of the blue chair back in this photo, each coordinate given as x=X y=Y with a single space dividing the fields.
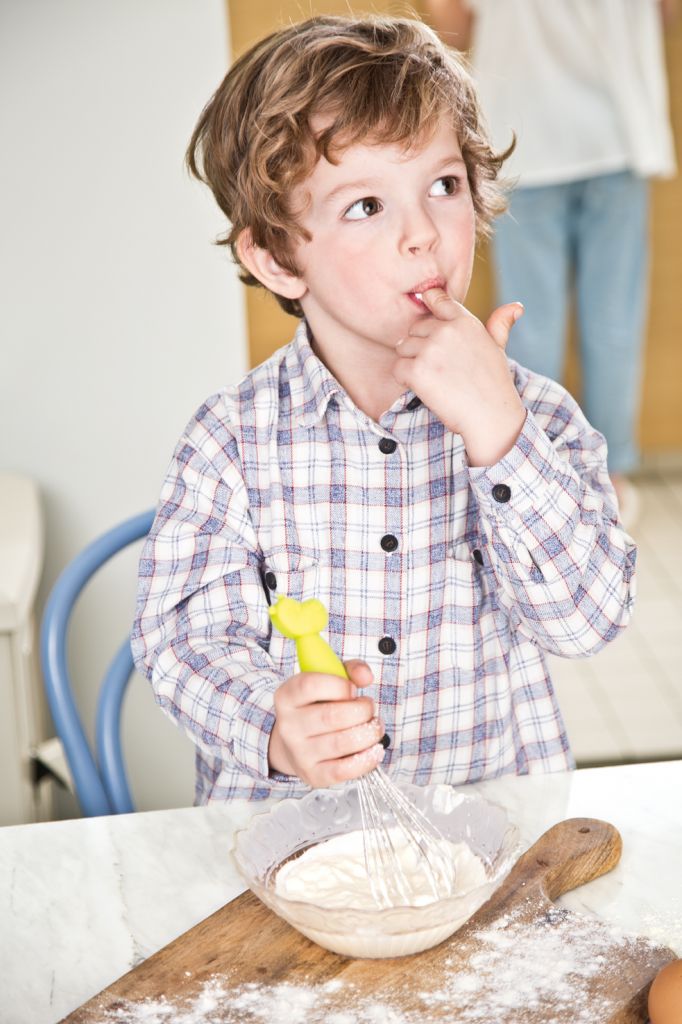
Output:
x=100 y=781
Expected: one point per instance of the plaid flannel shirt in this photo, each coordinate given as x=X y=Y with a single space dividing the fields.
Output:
x=449 y=581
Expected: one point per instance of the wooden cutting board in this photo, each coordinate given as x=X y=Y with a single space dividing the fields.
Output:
x=519 y=959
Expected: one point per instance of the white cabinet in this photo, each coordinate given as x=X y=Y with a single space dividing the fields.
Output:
x=23 y=711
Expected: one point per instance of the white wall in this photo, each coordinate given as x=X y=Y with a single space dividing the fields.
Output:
x=118 y=315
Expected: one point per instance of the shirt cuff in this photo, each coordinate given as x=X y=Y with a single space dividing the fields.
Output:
x=251 y=738
x=512 y=486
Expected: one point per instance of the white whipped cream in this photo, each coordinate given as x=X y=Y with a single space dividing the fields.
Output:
x=332 y=874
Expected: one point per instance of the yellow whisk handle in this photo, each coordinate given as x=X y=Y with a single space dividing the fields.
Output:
x=302 y=622
x=315 y=655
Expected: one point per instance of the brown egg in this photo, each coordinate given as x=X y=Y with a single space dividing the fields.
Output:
x=665 y=995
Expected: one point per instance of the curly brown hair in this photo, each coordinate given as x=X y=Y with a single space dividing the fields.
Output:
x=387 y=79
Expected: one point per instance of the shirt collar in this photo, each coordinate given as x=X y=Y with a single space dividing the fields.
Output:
x=312 y=386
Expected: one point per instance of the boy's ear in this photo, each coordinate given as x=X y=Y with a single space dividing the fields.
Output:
x=263 y=265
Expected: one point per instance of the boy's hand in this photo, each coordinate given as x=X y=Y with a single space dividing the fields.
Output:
x=459 y=370
x=323 y=732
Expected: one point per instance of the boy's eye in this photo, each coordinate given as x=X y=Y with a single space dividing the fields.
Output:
x=445 y=186
x=364 y=208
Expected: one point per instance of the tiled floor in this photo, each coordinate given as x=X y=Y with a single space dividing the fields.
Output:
x=625 y=703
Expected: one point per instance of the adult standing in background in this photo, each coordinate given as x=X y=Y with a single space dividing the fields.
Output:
x=582 y=84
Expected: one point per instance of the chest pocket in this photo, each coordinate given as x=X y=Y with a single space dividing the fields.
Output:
x=462 y=599
x=288 y=574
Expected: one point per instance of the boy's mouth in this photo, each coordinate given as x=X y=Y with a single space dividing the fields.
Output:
x=415 y=294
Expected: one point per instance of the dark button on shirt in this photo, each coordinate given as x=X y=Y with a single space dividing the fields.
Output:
x=478 y=557
x=389 y=542
x=501 y=493
x=387 y=445
x=414 y=403
x=387 y=645
x=271 y=581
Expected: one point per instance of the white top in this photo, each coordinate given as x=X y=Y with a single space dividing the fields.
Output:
x=84 y=901
x=581 y=82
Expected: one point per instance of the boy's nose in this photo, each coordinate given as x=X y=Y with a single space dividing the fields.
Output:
x=419 y=235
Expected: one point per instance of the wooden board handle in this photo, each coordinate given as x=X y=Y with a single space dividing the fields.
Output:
x=569 y=854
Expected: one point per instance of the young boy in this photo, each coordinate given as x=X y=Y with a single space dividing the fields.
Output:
x=451 y=509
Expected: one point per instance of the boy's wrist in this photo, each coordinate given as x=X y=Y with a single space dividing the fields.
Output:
x=278 y=761
x=493 y=434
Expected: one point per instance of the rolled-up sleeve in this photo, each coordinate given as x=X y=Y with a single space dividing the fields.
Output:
x=201 y=629
x=563 y=563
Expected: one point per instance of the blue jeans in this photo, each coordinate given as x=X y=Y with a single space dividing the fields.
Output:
x=590 y=237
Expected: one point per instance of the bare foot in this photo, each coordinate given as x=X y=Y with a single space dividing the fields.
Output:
x=628 y=499
x=619 y=482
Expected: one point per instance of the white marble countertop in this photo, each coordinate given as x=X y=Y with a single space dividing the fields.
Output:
x=81 y=902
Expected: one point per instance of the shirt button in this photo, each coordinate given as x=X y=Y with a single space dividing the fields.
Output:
x=478 y=557
x=389 y=542
x=271 y=581
x=501 y=493
x=387 y=645
x=387 y=445
x=414 y=403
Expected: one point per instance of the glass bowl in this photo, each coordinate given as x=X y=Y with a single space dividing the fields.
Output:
x=295 y=824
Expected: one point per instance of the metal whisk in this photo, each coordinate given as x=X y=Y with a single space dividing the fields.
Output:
x=389 y=816
x=391 y=824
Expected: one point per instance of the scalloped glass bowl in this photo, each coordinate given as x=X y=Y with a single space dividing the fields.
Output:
x=295 y=824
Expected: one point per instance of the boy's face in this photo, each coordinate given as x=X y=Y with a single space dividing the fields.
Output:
x=385 y=224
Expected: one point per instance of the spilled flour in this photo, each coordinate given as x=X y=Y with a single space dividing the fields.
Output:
x=557 y=966
x=219 y=1003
